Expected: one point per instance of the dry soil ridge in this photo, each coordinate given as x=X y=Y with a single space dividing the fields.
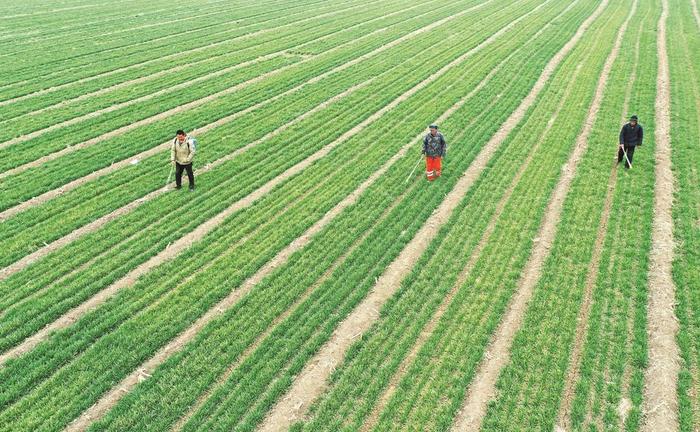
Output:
x=660 y=404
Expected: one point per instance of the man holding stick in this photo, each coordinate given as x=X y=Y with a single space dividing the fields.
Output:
x=631 y=136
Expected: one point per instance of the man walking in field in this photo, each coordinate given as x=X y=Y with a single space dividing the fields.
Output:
x=631 y=136
x=434 y=148
x=181 y=155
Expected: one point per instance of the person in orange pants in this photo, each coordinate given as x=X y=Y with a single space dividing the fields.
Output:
x=434 y=149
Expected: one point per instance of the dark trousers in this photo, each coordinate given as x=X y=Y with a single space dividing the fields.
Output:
x=178 y=174
x=630 y=152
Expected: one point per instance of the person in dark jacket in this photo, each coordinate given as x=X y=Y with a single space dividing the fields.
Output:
x=434 y=149
x=631 y=136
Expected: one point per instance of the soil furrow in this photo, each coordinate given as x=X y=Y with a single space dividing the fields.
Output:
x=660 y=405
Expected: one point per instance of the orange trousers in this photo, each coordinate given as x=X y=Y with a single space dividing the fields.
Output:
x=433 y=167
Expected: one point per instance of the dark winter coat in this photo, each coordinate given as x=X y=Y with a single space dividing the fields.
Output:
x=631 y=135
x=434 y=145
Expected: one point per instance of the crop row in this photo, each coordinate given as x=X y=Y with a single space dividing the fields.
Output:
x=684 y=58
x=60 y=15
x=542 y=347
x=263 y=377
x=614 y=352
x=178 y=89
x=435 y=382
x=115 y=32
x=77 y=24
x=76 y=164
x=168 y=55
x=370 y=197
x=226 y=189
x=85 y=204
x=111 y=89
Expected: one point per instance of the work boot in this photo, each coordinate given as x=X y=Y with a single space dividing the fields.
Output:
x=191 y=188
x=178 y=187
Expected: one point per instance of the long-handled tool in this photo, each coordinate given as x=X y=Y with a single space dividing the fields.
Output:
x=414 y=169
x=167 y=182
x=626 y=158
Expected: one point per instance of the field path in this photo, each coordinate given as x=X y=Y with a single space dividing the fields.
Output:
x=202 y=230
x=311 y=382
x=660 y=406
x=696 y=14
x=483 y=385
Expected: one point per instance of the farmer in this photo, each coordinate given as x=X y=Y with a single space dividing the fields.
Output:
x=434 y=148
x=181 y=154
x=631 y=136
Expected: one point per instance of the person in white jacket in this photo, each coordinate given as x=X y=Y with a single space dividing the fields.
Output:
x=181 y=155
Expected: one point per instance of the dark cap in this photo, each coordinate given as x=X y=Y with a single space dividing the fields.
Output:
x=634 y=117
x=433 y=126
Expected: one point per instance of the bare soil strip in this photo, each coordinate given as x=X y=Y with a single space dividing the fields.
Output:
x=312 y=380
x=164 y=146
x=482 y=388
x=170 y=56
x=660 y=405
x=696 y=14
x=184 y=242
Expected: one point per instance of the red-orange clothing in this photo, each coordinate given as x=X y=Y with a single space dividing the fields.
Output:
x=433 y=167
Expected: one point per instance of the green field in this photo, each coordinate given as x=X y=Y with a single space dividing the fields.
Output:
x=314 y=279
